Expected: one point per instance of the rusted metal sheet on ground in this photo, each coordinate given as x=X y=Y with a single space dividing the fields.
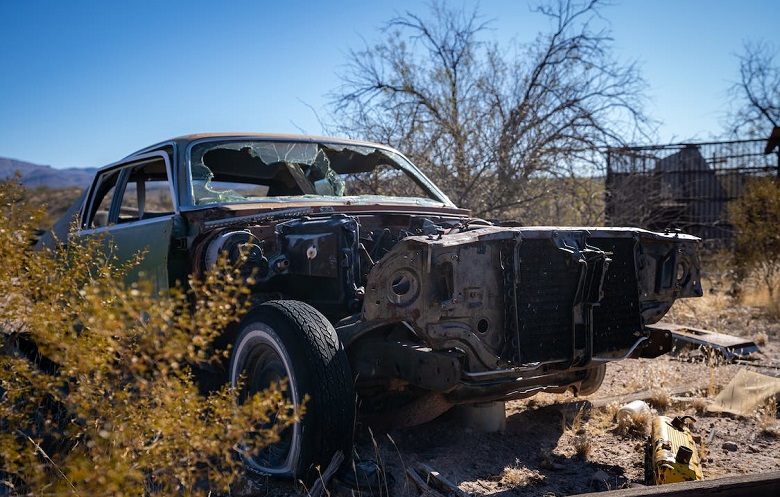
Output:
x=728 y=346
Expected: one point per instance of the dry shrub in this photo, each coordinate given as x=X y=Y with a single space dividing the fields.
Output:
x=755 y=293
x=97 y=395
x=577 y=422
x=581 y=439
x=699 y=404
x=518 y=475
x=755 y=216
x=582 y=446
x=660 y=398
x=760 y=339
x=605 y=416
x=637 y=424
x=767 y=419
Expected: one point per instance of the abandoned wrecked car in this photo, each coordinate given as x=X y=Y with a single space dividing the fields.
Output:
x=370 y=284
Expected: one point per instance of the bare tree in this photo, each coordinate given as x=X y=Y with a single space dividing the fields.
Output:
x=493 y=127
x=756 y=97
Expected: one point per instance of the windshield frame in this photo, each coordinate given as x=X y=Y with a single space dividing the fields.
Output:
x=392 y=157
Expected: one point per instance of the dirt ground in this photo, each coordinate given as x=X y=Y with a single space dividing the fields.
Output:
x=552 y=447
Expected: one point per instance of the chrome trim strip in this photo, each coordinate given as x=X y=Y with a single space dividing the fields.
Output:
x=259 y=218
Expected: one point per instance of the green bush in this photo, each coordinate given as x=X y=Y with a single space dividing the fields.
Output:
x=97 y=395
x=755 y=216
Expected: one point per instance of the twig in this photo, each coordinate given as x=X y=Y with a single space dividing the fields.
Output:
x=39 y=449
x=319 y=486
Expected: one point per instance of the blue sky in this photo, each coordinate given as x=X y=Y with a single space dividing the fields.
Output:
x=84 y=83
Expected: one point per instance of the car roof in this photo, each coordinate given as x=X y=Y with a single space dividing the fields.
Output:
x=185 y=139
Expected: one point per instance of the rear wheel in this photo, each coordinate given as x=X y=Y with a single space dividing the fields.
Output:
x=292 y=340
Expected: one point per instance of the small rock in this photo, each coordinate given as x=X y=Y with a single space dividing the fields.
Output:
x=753 y=449
x=730 y=446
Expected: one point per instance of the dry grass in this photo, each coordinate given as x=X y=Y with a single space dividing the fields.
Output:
x=761 y=339
x=660 y=398
x=518 y=475
x=637 y=424
x=724 y=287
x=724 y=290
x=767 y=421
x=606 y=415
x=634 y=384
x=755 y=294
x=704 y=450
x=581 y=439
x=602 y=419
x=577 y=423
x=699 y=404
x=583 y=446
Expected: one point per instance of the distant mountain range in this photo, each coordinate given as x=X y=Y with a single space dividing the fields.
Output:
x=34 y=175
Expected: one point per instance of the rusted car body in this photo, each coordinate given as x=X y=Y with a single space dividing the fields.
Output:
x=419 y=305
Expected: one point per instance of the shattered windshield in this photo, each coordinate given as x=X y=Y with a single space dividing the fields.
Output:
x=264 y=170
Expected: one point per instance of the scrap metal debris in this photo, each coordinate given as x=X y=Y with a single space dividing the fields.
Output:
x=730 y=347
x=675 y=457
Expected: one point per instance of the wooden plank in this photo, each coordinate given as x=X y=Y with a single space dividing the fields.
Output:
x=585 y=405
x=439 y=482
x=425 y=489
x=737 y=486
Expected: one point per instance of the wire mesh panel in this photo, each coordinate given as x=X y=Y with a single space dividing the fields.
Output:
x=683 y=186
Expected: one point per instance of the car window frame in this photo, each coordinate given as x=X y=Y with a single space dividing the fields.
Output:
x=124 y=168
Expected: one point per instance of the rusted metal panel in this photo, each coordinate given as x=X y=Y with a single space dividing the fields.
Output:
x=729 y=347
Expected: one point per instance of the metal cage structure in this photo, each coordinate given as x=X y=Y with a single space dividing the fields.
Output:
x=685 y=186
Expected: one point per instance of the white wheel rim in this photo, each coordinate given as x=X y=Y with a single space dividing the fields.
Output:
x=260 y=334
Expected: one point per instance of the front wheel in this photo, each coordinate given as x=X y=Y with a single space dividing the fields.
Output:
x=291 y=340
x=594 y=377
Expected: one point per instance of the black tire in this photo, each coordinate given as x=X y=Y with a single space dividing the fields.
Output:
x=594 y=377
x=291 y=339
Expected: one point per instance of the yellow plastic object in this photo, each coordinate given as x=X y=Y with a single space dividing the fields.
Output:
x=675 y=457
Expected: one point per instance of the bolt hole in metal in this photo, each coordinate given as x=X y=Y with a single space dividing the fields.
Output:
x=402 y=284
x=483 y=325
x=403 y=288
